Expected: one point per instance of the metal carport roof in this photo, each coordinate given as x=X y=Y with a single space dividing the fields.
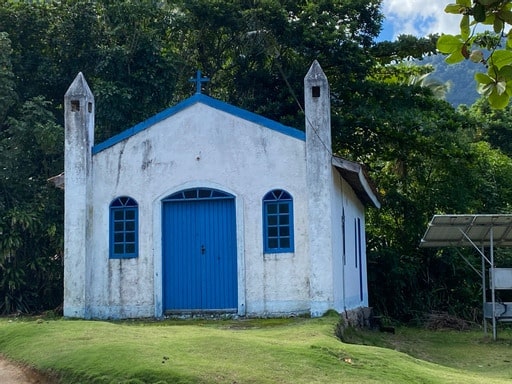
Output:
x=478 y=231
x=462 y=230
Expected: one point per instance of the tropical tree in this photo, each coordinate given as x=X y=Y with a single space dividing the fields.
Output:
x=425 y=158
x=30 y=211
x=486 y=49
x=495 y=125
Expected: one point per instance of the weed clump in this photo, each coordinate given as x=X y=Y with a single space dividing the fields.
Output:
x=441 y=320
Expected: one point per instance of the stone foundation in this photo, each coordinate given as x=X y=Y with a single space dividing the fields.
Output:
x=357 y=318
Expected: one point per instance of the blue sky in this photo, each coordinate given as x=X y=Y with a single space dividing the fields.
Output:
x=417 y=17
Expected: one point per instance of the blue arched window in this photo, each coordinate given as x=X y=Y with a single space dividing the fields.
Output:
x=124 y=228
x=277 y=222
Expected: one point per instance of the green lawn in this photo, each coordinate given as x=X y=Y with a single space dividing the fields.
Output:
x=250 y=351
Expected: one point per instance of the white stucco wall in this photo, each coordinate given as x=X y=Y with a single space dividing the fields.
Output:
x=346 y=273
x=199 y=147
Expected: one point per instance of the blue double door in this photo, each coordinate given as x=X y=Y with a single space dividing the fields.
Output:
x=199 y=252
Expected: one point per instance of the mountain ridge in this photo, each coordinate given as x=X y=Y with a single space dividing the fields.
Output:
x=461 y=77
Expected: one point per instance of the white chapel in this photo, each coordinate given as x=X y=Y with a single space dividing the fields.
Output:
x=209 y=208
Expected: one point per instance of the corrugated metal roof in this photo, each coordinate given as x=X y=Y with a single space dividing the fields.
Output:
x=461 y=230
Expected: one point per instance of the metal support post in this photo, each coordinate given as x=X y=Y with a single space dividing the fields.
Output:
x=483 y=291
x=493 y=290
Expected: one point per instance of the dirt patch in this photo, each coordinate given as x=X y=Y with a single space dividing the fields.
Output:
x=13 y=373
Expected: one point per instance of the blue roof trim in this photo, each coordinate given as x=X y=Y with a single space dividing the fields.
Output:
x=211 y=102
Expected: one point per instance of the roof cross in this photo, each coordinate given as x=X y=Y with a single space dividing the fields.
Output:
x=199 y=79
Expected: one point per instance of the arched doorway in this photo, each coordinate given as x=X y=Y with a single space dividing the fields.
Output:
x=199 y=251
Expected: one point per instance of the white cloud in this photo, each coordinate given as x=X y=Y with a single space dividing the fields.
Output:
x=420 y=17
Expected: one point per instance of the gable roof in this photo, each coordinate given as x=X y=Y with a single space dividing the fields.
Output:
x=206 y=100
x=355 y=175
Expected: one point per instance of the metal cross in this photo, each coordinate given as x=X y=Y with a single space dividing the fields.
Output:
x=198 y=80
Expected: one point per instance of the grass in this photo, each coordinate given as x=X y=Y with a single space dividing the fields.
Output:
x=469 y=351
x=297 y=350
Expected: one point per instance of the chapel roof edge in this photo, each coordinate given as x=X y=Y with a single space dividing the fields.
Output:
x=211 y=102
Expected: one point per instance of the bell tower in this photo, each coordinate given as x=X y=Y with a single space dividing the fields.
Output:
x=320 y=188
x=79 y=140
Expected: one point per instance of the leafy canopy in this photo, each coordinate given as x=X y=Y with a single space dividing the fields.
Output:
x=495 y=83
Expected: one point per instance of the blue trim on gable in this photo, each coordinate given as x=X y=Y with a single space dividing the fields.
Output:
x=209 y=101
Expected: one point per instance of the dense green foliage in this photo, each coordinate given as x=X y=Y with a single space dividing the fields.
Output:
x=492 y=51
x=30 y=210
x=424 y=156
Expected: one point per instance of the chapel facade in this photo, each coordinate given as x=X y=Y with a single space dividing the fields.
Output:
x=209 y=208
